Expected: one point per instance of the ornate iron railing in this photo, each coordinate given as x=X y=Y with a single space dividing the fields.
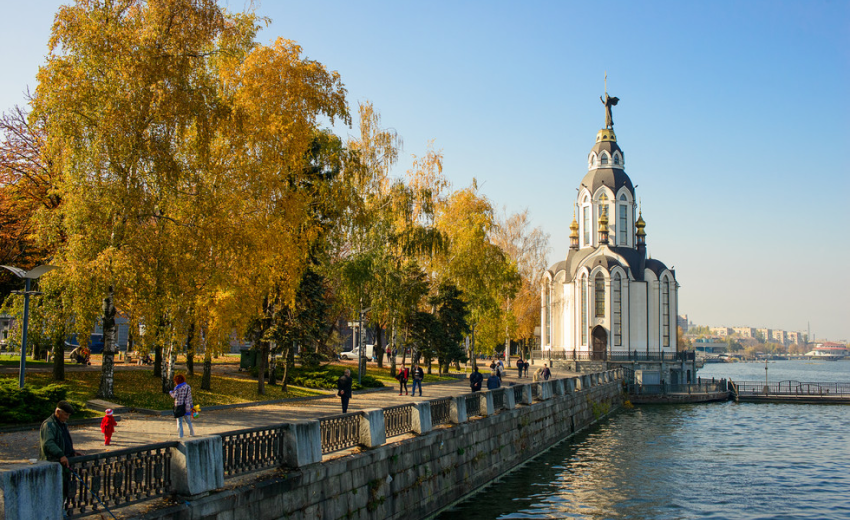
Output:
x=398 y=420
x=473 y=405
x=441 y=411
x=253 y=449
x=340 y=431
x=518 y=389
x=118 y=478
x=499 y=398
x=634 y=355
x=793 y=388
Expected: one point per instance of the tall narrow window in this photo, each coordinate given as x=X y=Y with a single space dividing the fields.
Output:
x=549 y=314
x=603 y=160
x=617 y=309
x=665 y=313
x=599 y=295
x=584 y=310
x=586 y=218
x=622 y=223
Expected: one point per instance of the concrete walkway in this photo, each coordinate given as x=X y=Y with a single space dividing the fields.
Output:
x=136 y=430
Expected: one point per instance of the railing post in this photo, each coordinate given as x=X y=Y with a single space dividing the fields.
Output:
x=486 y=404
x=545 y=390
x=373 y=432
x=559 y=386
x=302 y=443
x=197 y=465
x=31 y=491
x=421 y=418
x=509 y=399
x=458 y=410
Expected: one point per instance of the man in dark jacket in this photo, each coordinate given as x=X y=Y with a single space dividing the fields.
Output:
x=475 y=380
x=546 y=372
x=343 y=386
x=494 y=381
x=55 y=444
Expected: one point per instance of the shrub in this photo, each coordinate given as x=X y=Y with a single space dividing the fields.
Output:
x=27 y=404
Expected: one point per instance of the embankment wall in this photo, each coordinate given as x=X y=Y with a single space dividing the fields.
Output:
x=413 y=478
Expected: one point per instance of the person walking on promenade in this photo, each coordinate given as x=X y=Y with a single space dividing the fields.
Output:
x=182 y=395
x=493 y=381
x=402 y=377
x=343 y=386
x=546 y=372
x=418 y=376
x=525 y=368
x=537 y=375
x=107 y=426
x=519 y=366
x=55 y=444
x=475 y=380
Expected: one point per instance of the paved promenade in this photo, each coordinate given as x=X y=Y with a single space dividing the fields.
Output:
x=135 y=430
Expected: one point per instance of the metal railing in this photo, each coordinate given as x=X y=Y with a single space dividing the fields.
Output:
x=518 y=390
x=441 y=411
x=793 y=388
x=119 y=478
x=499 y=398
x=634 y=355
x=667 y=389
x=398 y=420
x=253 y=449
x=473 y=405
x=340 y=431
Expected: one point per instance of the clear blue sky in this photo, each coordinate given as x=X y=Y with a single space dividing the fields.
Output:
x=733 y=118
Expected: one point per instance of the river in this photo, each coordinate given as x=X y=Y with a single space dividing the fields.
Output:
x=719 y=460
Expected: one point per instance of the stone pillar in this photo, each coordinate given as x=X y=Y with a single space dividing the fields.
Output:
x=544 y=390
x=458 y=410
x=585 y=382
x=487 y=407
x=558 y=386
x=421 y=418
x=569 y=385
x=31 y=491
x=373 y=432
x=526 y=394
x=197 y=465
x=302 y=443
x=510 y=399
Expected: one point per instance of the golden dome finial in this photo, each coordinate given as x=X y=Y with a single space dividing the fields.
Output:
x=574 y=231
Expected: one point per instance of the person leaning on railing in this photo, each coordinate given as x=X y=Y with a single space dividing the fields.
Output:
x=55 y=444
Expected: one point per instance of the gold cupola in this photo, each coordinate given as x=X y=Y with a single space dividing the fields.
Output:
x=606 y=135
x=574 y=232
x=640 y=234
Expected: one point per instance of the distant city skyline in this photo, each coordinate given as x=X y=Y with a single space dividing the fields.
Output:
x=730 y=119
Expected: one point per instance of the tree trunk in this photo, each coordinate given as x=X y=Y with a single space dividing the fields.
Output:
x=392 y=347
x=59 y=355
x=205 y=380
x=379 y=345
x=285 y=380
x=107 y=370
x=157 y=360
x=261 y=367
x=190 y=349
x=272 y=377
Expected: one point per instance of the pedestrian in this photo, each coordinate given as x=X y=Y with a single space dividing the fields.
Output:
x=501 y=366
x=493 y=381
x=182 y=395
x=537 y=375
x=475 y=380
x=107 y=426
x=519 y=367
x=546 y=372
x=402 y=376
x=418 y=376
x=343 y=386
x=525 y=368
x=55 y=444
x=492 y=365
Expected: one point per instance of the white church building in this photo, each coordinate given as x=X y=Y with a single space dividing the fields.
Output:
x=607 y=300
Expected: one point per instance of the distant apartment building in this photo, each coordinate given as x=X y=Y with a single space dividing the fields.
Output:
x=778 y=336
x=682 y=321
x=764 y=334
x=721 y=331
x=744 y=332
x=796 y=338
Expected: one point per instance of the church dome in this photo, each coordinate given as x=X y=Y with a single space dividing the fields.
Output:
x=605 y=164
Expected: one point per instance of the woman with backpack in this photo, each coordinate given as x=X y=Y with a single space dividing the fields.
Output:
x=402 y=376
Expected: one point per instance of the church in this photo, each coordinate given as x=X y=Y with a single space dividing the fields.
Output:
x=607 y=300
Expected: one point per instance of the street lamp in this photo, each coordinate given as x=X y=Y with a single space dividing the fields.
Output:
x=28 y=276
x=361 y=362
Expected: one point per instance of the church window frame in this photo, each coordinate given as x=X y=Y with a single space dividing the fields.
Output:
x=603 y=159
x=587 y=227
x=618 y=160
x=665 y=313
x=549 y=313
x=617 y=309
x=622 y=224
x=599 y=295
x=583 y=289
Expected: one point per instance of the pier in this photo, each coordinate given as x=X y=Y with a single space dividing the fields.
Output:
x=791 y=392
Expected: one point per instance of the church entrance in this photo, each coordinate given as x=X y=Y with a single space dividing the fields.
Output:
x=600 y=343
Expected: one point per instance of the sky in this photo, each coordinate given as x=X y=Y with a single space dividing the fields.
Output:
x=733 y=119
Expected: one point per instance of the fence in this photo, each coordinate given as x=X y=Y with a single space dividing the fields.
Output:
x=793 y=388
x=253 y=449
x=398 y=420
x=119 y=478
x=130 y=476
x=340 y=431
x=667 y=389
x=634 y=355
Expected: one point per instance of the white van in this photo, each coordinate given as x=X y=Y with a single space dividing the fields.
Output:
x=368 y=351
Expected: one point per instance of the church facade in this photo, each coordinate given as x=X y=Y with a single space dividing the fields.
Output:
x=607 y=298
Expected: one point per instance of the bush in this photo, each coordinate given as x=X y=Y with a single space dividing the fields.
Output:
x=327 y=379
x=28 y=404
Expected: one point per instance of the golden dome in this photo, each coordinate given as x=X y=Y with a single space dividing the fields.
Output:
x=574 y=227
x=640 y=225
x=606 y=134
x=603 y=222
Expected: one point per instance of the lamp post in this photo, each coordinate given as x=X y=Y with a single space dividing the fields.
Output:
x=361 y=362
x=28 y=276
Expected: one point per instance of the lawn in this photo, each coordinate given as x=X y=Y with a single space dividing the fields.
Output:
x=138 y=388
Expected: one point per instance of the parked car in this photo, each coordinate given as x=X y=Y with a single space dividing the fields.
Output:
x=368 y=351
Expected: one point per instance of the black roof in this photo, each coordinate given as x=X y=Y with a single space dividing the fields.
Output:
x=614 y=178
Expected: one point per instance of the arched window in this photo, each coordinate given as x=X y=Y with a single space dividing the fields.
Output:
x=585 y=217
x=603 y=160
x=599 y=295
x=617 y=309
x=549 y=313
x=622 y=224
x=616 y=158
x=584 y=310
x=665 y=312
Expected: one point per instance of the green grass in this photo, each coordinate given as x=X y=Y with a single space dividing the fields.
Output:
x=6 y=361
x=138 y=388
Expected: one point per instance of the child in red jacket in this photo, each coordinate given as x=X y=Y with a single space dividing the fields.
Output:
x=107 y=426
